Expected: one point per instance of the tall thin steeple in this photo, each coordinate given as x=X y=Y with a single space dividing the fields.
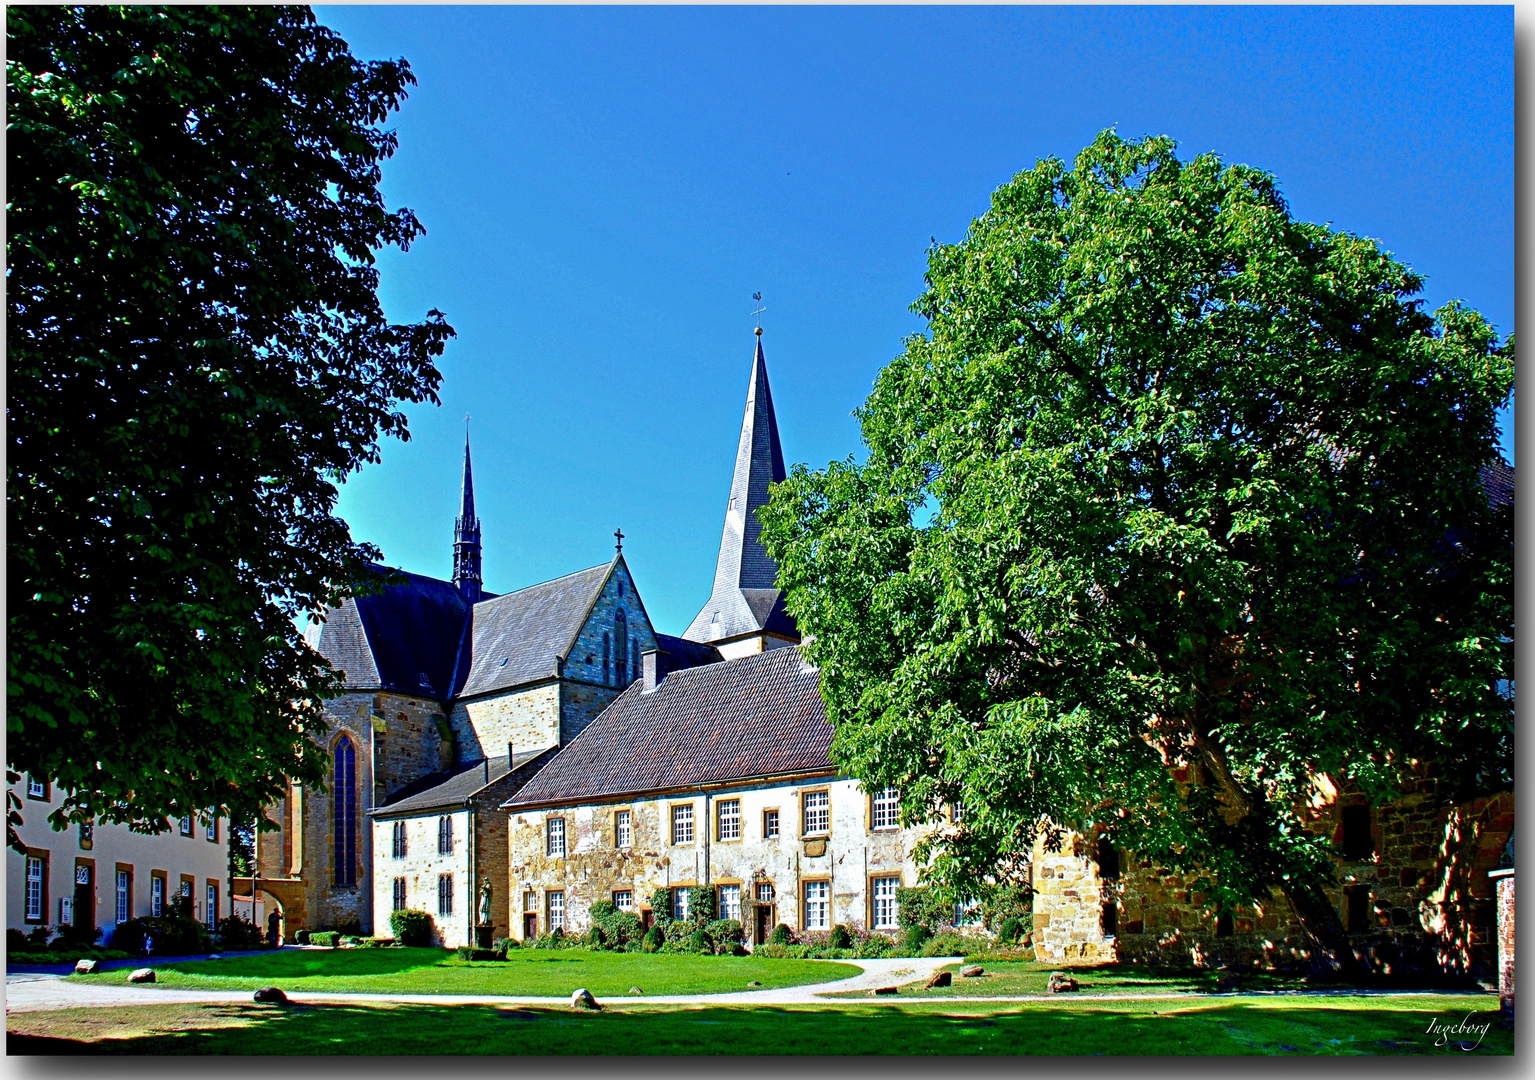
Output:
x=466 y=535
x=746 y=601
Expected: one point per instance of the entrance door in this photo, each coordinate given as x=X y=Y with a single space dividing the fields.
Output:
x=530 y=926
x=85 y=895
x=765 y=910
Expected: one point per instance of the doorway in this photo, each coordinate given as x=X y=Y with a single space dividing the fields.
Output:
x=765 y=912
x=85 y=894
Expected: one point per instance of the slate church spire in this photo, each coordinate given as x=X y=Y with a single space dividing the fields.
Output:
x=746 y=604
x=466 y=535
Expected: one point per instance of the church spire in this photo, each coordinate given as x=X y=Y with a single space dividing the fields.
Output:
x=745 y=601
x=466 y=535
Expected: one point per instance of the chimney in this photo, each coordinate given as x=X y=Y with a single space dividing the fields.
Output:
x=653 y=668
x=511 y=758
x=487 y=771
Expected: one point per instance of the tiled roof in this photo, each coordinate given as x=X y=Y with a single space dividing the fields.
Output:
x=682 y=653
x=516 y=638
x=759 y=715
x=403 y=638
x=1498 y=482
x=454 y=787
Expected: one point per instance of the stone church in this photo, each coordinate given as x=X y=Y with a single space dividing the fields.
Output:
x=456 y=696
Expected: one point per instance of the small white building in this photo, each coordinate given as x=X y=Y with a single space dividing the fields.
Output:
x=100 y=875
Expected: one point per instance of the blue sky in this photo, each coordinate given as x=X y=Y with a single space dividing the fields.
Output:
x=604 y=189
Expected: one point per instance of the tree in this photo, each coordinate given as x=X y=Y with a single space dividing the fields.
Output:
x=197 y=357
x=1175 y=506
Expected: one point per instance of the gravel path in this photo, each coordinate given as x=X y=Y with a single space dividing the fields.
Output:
x=36 y=992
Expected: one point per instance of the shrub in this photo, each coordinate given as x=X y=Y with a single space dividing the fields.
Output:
x=75 y=937
x=615 y=930
x=701 y=907
x=328 y=939
x=412 y=928
x=469 y=952
x=661 y=904
x=654 y=939
x=781 y=935
x=950 y=943
x=302 y=937
x=180 y=907
x=16 y=941
x=698 y=941
x=772 y=951
x=873 y=947
x=501 y=944
x=920 y=906
x=1010 y=929
x=840 y=938
x=169 y=935
x=237 y=934
x=723 y=934
x=915 y=937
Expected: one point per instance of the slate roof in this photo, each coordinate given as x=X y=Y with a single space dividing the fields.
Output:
x=454 y=787
x=1498 y=482
x=404 y=638
x=516 y=638
x=744 y=599
x=682 y=653
x=758 y=715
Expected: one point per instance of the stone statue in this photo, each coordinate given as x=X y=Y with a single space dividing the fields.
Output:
x=485 y=901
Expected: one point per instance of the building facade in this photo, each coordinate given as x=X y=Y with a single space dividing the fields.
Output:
x=100 y=875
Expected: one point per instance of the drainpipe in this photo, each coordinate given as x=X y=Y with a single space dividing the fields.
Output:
x=473 y=883
x=708 y=824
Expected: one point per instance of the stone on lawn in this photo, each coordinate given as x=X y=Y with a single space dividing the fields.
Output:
x=1060 y=983
x=883 y=991
x=754 y=982
x=942 y=978
x=974 y=971
x=582 y=999
x=85 y=967
x=271 y=995
x=635 y=990
x=142 y=975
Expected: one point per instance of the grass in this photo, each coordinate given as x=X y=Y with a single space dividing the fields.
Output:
x=525 y=973
x=1201 y=1026
x=1008 y=978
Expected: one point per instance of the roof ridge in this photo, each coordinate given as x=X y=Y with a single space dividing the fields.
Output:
x=541 y=584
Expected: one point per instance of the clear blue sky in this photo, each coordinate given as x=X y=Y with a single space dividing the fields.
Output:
x=604 y=189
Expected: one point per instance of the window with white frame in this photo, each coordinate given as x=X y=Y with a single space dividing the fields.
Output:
x=444 y=894
x=887 y=807
x=213 y=830
x=817 y=905
x=36 y=789
x=884 y=902
x=681 y=903
x=445 y=835
x=124 y=891
x=770 y=824
x=682 y=824
x=967 y=912
x=399 y=894
x=556 y=904
x=34 y=888
x=157 y=896
x=623 y=829
x=399 y=845
x=817 y=813
x=729 y=820
x=212 y=912
x=186 y=825
x=623 y=899
x=730 y=902
x=764 y=892
x=554 y=837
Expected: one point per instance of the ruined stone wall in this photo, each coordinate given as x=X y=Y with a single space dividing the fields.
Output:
x=528 y=718
x=1429 y=904
x=849 y=857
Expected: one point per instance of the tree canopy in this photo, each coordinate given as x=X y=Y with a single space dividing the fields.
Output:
x=1176 y=504
x=197 y=357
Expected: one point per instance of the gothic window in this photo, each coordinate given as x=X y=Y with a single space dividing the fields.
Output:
x=399 y=894
x=400 y=844
x=1358 y=836
x=634 y=658
x=621 y=647
x=445 y=835
x=1108 y=860
x=607 y=645
x=444 y=894
x=344 y=820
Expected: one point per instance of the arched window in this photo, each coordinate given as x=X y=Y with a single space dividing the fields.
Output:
x=607 y=659
x=634 y=657
x=344 y=823
x=621 y=645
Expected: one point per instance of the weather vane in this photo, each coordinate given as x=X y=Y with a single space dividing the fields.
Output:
x=761 y=307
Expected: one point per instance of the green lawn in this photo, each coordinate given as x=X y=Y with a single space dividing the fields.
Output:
x=1201 y=1026
x=1008 y=978
x=525 y=973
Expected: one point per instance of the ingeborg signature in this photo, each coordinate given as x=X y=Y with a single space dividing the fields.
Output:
x=1442 y=1032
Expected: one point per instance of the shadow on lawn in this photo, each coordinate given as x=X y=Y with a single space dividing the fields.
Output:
x=1203 y=1028
x=296 y=963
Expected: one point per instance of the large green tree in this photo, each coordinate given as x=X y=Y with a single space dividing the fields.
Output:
x=197 y=355
x=1176 y=505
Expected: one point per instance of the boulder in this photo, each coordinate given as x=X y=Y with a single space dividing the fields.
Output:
x=1061 y=983
x=142 y=975
x=884 y=991
x=754 y=982
x=635 y=990
x=215 y=956
x=972 y=971
x=582 y=999
x=85 y=967
x=942 y=978
x=270 y=995
x=1028 y=941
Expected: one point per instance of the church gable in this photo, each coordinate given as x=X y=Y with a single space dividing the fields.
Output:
x=606 y=650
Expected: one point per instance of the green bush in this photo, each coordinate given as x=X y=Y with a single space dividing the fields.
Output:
x=1010 y=929
x=701 y=909
x=661 y=904
x=302 y=937
x=840 y=938
x=874 y=947
x=237 y=934
x=171 y=936
x=16 y=941
x=469 y=952
x=781 y=935
x=724 y=934
x=950 y=943
x=614 y=930
x=920 y=906
x=698 y=941
x=654 y=939
x=412 y=928
x=502 y=944
x=915 y=937
x=328 y=939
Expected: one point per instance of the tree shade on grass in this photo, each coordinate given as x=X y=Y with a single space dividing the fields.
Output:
x=525 y=973
x=1177 y=504
x=1282 y=1027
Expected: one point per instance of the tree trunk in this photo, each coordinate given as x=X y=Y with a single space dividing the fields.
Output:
x=1320 y=920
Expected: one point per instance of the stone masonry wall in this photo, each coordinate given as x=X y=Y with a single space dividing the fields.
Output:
x=1430 y=905
x=420 y=867
x=528 y=718
x=849 y=857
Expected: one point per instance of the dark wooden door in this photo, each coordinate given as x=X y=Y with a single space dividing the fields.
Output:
x=530 y=926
